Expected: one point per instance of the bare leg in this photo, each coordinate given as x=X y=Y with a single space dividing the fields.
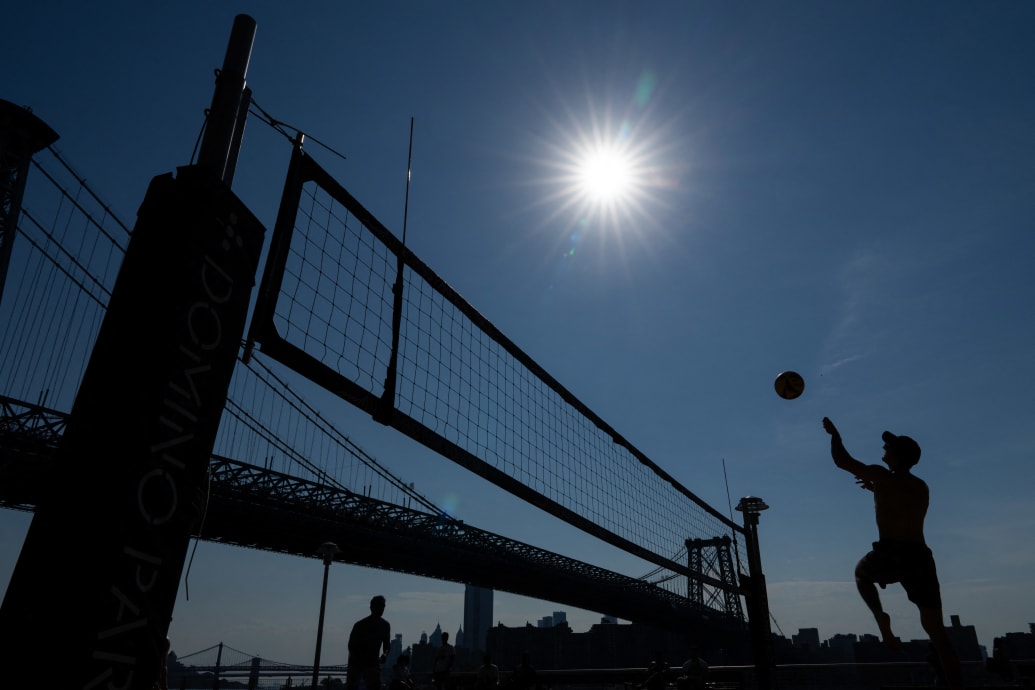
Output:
x=933 y=624
x=868 y=592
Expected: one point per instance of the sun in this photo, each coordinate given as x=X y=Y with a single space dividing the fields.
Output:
x=605 y=175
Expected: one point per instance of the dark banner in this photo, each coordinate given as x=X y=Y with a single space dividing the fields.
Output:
x=92 y=594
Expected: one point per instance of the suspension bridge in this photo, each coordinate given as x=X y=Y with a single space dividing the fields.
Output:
x=346 y=305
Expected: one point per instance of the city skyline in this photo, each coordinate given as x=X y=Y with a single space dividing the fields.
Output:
x=813 y=187
x=801 y=637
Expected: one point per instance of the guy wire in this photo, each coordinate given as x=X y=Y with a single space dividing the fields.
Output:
x=729 y=502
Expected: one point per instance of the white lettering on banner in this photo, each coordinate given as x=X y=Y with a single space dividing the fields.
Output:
x=184 y=407
x=195 y=326
x=146 y=558
x=145 y=506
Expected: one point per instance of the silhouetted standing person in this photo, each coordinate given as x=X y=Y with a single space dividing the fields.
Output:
x=695 y=672
x=657 y=672
x=900 y=554
x=488 y=674
x=368 y=637
x=401 y=676
x=443 y=662
x=524 y=676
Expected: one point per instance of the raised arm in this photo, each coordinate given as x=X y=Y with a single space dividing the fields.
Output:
x=865 y=473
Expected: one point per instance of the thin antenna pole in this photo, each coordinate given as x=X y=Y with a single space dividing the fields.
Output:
x=409 y=163
x=729 y=501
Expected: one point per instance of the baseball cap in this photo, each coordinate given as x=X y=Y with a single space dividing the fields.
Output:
x=903 y=446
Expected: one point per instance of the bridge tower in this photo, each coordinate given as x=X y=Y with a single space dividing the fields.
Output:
x=713 y=557
x=22 y=134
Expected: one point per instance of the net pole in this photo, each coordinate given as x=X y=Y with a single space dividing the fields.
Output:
x=387 y=406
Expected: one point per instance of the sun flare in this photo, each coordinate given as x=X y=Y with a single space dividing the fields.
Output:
x=605 y=175
x=610 y=177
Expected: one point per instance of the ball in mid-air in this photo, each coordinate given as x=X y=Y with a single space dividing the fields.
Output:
x=789 y=385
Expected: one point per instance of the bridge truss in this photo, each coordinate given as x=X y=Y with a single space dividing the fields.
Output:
x=500 y=422
x=259 y=508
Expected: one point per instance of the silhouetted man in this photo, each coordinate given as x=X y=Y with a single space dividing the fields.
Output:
x=368 y=637
x=695 y=672
x=524 y=676
x=443 y=663
x=657 y=672
x=900 y=554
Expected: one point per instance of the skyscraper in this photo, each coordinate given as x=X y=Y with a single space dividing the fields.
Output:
x=477 y=616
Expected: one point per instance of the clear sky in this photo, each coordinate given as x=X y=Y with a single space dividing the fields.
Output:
x=844 y=189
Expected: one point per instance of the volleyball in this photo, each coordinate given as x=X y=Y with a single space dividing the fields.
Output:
x=789 y=385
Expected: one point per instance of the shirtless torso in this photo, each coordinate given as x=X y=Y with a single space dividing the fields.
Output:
x=900 y=501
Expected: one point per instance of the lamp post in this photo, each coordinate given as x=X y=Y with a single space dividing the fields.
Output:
x=327 y=551
x=757 y=599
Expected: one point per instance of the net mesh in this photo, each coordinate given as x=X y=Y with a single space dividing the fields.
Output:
x=471 y=393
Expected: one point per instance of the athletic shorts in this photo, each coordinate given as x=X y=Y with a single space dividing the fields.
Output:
x=908 y=562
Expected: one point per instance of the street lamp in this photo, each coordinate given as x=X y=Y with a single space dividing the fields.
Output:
x=757 y=599
x=327 y=551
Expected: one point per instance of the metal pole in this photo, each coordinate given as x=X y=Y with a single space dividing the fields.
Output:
x=235 y=142
x=758 y=609
x=215 y=676
x=220 y=143
x=327 y=550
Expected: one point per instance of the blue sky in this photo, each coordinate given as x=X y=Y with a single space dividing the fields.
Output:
x=844 y=189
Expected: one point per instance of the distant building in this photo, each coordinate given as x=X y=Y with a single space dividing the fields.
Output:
x=554 y=619
x=841 y=647
x=607 y=645
x=964 y=639
x=807 y=639
x=477 y=617
x=395 y=650
x=1018 y=645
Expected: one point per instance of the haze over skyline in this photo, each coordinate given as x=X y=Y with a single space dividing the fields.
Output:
x=842 y=189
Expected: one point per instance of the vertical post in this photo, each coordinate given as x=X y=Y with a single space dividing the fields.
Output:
x=327 y=550
x=230 y=102
x=219 y=659
x=100 y=567
x=758 y=601
x=253 y=673
x=235 y=143
x=22 y=134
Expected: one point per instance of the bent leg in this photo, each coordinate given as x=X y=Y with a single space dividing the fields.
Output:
x=931 y=620
x=868 y=592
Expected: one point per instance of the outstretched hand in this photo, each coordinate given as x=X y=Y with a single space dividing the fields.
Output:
x=829 y=426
